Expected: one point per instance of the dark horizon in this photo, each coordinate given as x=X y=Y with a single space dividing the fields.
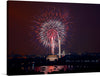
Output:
x=85 y=27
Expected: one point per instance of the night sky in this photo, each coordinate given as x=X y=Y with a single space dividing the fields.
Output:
x=22 y=40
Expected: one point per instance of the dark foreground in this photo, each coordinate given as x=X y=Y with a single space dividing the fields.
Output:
x=67 y=64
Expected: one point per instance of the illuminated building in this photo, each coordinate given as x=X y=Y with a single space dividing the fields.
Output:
x=52 y=57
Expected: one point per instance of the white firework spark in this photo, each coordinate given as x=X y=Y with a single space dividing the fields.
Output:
x=52 y=28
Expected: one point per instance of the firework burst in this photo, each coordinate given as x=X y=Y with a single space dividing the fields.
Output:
x=51 y=26
x=52 y=29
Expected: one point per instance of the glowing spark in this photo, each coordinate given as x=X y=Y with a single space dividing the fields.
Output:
x=53 y=24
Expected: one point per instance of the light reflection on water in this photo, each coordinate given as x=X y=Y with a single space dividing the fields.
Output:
x=50 y=69
x=53 y=68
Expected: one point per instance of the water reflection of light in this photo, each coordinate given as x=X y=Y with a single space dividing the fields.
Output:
x=50 y=69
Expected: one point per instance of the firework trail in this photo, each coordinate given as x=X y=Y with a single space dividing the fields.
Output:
x=52 y=25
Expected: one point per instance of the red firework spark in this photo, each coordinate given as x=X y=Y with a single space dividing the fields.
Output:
x=51 y=24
